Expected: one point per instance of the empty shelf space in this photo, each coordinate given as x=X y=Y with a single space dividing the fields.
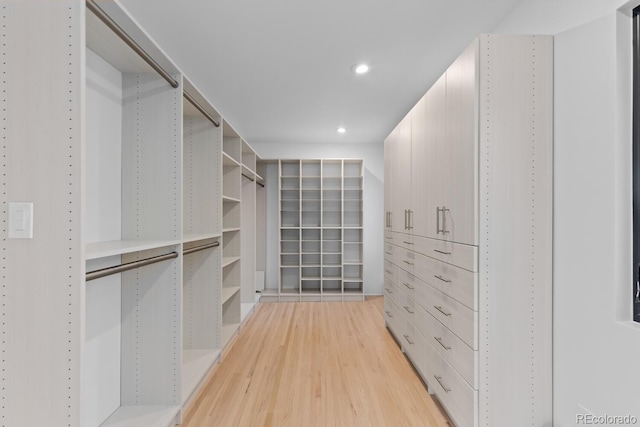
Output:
x=148 y=416
x=195 y=365
x=119 y=247
x=229 y=292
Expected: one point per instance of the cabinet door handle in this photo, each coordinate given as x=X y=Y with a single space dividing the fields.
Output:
x=388 y=290
x=406 y=337
x=407 y=262
x=444 y=220
x=442 y=252
x=437 y=219
x=408 y=243
x=406 y=219
x=439 y=308
x=388 y=314
x=408 y=285
x=442 y=278
x=410 y=219
x=440 y=342
x=444 y=387
x=408 y=311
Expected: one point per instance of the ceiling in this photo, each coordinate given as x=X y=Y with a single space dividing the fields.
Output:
x=280 y=70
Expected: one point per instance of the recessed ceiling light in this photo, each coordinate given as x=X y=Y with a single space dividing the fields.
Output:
x=360 y=68
x=341 y=130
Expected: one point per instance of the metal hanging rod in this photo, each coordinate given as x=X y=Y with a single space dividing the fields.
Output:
x=96 y=274
x=93 y=7
x=260 y=184
x=248 y=177
x=200 y=248
x=201 y=109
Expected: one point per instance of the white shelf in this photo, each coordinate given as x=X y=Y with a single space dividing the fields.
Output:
x=230 y=230
x=147 y=416
x=248 y=171
x=188 y=238
x=119 y=247
x=229 y=260
x=228 y=331
x=230 y=199
x=195 y=365
x=229 y=292
x=227 y=160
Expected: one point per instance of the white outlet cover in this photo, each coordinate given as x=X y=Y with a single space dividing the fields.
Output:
x=20 y=220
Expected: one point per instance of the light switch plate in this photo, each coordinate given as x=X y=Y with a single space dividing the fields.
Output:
x=20 y=220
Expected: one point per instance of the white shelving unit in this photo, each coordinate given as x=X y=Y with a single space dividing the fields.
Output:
x=320 y=231
x=131 y=178
x=202 y=232
x=133 y=211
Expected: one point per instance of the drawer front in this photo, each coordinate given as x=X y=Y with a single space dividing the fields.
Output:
x=390 y=271
x=453 y=349
x=463 y=256
x=461 y=320
x=392 y=317
x=407 y=282
x=405 y=303
x=389 y=251
x=457 y=397
x=456 y=282
x=414 y=346
x=405 y=259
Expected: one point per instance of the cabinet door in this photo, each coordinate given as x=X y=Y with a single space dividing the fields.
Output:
x=427 y=139
x=400 y=140
x=388 y=185
x=460 y=152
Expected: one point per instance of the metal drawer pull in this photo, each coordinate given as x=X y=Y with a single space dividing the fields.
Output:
x=408 y=311
x=408 y=243
x=407 y=262
x=408 y=285
x=437 y=219
x=388 y=290
x=388 y=271
x=442 y=278
x=439 y=379
x=440 y=342
x=388 y=314
x=387 y=237
x=406 y=337
x=442 y=252
x=439 y=308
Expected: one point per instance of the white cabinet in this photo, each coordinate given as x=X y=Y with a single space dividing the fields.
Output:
x=468 y=273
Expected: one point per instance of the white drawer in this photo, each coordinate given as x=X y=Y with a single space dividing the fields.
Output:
x=456 y=282
x=389 y=251
x=392 y=317
x=414 y=344
x=464 y=256
x=406 y=281
x=453 y=349
x=460 y=319
x=406 y=304
x=390 y=271
x=457 y=397
x=405 y=259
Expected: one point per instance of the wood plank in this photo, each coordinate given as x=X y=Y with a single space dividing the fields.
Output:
x=315 y=364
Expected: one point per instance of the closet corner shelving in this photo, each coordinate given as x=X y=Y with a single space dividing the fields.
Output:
x=320 y=231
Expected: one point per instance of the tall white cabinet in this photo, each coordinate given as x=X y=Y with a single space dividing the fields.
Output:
x=468 y=199
x=119 y=307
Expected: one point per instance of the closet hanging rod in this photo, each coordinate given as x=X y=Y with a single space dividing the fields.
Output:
x=260 y=184
x=248 y=177
x=200 y=248
x=96 y=274
x=93 y=7
x=201 y=109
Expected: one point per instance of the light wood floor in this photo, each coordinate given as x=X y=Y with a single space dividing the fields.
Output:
x=315 y=364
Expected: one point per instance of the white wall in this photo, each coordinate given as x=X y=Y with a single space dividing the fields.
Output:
x=596 y=348
x=373 y=205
